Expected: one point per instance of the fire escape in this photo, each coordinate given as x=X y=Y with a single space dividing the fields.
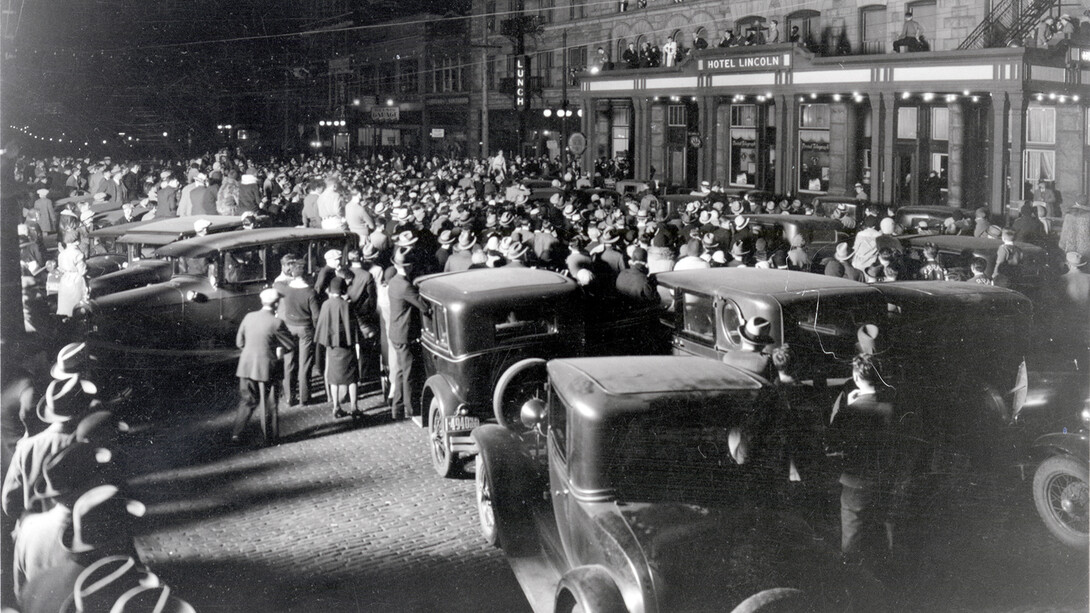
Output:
x=1010 y=22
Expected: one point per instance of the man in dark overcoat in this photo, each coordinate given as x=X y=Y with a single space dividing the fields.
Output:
x=263 y=339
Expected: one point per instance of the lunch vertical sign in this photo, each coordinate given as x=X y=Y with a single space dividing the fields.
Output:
x=522 y=82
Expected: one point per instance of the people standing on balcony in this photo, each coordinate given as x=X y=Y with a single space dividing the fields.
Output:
x=654 y=56
x=911 y=35
x=601 y=60
x=728 y=39
x=699 y=42
x=773 y=35
x=630 y=57
x=669 y=52
x=645 y=56
x=795 y=36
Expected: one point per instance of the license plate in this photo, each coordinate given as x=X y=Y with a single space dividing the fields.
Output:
x=460 y=423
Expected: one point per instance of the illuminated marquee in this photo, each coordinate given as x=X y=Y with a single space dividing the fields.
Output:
x=522 y=77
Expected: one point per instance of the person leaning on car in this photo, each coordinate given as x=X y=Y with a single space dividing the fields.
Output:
x=406 y=308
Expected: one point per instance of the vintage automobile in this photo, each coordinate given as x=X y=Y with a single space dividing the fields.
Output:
x=957 y=252
x=488 y=336
x=909 y=217
x=651 y=484
x=817 y=315
x=826 y=205
x=631 y=187
x=1060 y=484
x=136 y=247
x=821 y=234
x=192 y=318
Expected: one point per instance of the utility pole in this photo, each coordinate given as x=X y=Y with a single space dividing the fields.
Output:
x=484 y=88
x=564 y=104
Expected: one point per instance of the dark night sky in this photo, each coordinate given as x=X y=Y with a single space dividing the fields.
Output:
x=92 y=67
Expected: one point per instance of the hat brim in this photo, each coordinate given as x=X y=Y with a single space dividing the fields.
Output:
x=756 y=340
x=844 y=258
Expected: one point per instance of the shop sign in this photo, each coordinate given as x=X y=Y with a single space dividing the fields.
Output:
x=385 y=113
x=438 y=132
x=522 y=82
x=770 y=61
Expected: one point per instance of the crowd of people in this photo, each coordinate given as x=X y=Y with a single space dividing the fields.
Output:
x=68 y=520
x=416 y=216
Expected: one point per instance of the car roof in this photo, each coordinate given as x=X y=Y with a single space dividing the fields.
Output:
x=609 y=384
x=147 y=238
x=780 y=283
x=178 y=225
x=960 y=243
x=119 y=229
x=929 y=208
x=201 y=246
x=935 y=294
x=801 y=220
x=506 y=283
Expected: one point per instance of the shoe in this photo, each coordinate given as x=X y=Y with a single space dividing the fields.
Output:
x=357 y=414
x=337 y=414
x=235 y=440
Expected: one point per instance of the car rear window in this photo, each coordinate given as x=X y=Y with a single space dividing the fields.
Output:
x=698 y=316
x=524 y=321
x=436 y=325
x=825 y=328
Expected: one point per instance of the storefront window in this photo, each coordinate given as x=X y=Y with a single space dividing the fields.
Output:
x=906 y=122
x=940 y=123
x=743 y=145
x=814 y=148
x=1041 y=125
x=621 y=118
x=1039 y=165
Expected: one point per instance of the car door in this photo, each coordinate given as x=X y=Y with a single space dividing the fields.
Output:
x=695 y=330
x=245 y=274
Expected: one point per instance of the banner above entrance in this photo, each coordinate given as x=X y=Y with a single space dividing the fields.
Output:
x=767 y=61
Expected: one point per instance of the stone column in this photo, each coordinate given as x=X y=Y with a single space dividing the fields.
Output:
x=1017 y=130
x=999 y=146
x=889 y=136
x=877 y=182
x=783 y=181
x=641 y=139
x=590 y=123
x=790 y=130
x=709 y=105
x=955 y=150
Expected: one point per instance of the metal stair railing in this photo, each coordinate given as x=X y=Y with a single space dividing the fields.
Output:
x=1004 y=25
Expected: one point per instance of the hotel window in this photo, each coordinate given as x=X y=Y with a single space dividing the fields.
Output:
x=490 y=17
x=577 y=58
x=1038 y=165
x=940 y=123
x=814 y=148
x=575 y=9
x=809 y=25
x=543 y=67
x=675 y=116
x=621 y=121
x=741 y=28
x=1040 y=125
x=924 y=13
x=874 y=28
x=906 y=122
x=545 y=13
x=743 y=145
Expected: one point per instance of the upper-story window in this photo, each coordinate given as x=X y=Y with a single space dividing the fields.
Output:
x=925 y=14
x=545 y=11
x=1041 y=125
x=490 y=17
x=873 y=28
x=575 y=9
x=808 y=23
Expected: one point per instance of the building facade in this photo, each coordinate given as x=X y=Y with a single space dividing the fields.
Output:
x=978 y=119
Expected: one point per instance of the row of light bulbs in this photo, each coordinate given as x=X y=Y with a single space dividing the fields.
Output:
x=332 y=123
x=562 y=112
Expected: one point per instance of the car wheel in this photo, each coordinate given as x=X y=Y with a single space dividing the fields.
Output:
x=775 y=600
x=485 y=503
x=523 y=381
x=589 y=589
x=1060 y=493
x=442 y=458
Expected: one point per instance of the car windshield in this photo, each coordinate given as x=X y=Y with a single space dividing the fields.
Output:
x=825 y=327
x=682 y=452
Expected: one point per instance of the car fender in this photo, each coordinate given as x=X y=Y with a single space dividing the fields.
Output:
x=501 y=385
x=593 y=588
x=517 y=483
x=1074 y=444
x=439 y=387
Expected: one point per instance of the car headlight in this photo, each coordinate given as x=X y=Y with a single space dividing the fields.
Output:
x=1084 y=415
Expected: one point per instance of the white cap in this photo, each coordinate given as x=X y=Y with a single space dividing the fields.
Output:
x=269 y=296
x=201 y=224
x=333 y=254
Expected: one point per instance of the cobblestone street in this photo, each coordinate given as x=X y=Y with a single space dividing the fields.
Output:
x=345 y=516
x=338 y=517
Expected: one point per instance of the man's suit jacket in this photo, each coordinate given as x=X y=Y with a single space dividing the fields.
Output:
x=167 y=202
x=259 y=335
x=202 y=201
x=405 y=309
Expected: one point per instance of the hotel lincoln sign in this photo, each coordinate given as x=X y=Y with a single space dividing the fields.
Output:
x=771 y=61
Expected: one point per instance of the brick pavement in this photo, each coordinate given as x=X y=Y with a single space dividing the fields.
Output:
x=350 y=517
x=339 y=517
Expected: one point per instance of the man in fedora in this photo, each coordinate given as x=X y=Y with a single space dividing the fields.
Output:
x=756 y=336
x=462 y=258
x=263 y=339
x=65 y=402
x=634 y=284
x=406 y=309
x=516 y=255
x=47 y=215
x=39 y=537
